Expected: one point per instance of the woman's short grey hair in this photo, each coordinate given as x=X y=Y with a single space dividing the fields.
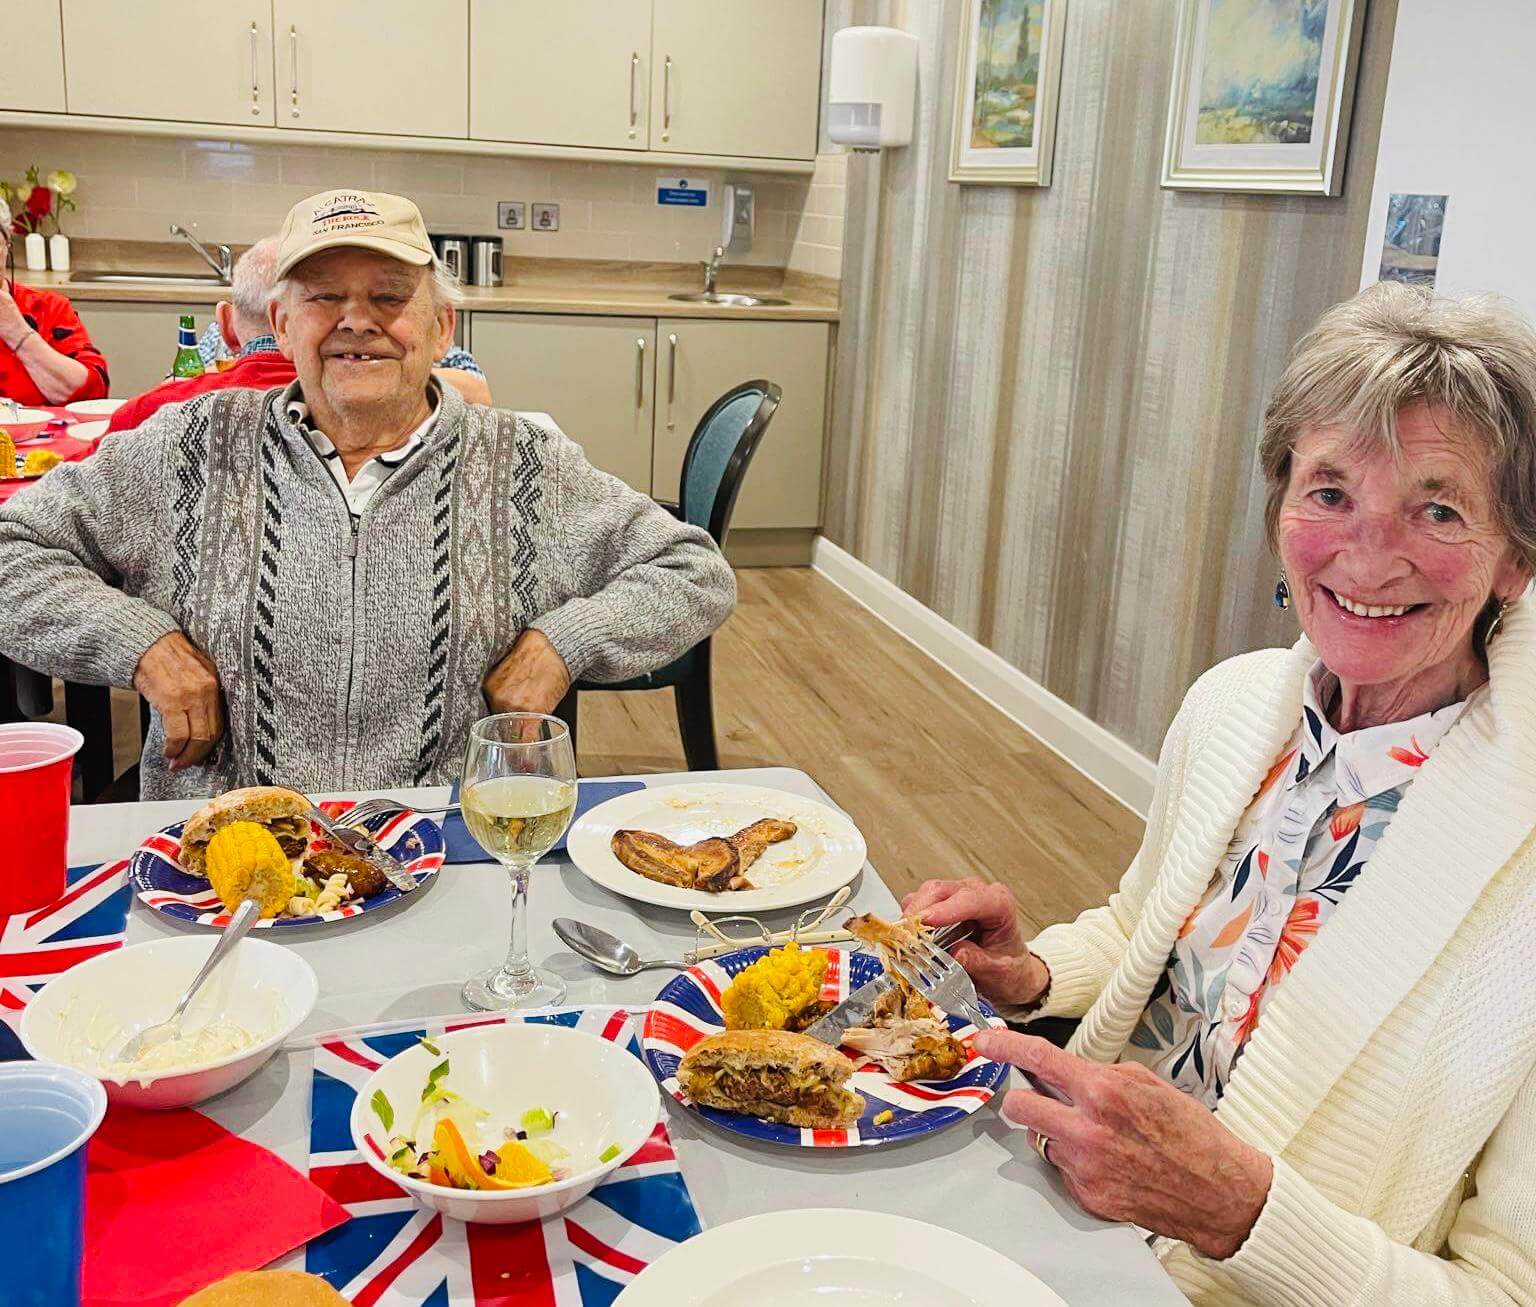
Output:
x=443 y=285
x=1393 y=346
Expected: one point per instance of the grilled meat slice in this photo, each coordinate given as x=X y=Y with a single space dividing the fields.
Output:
x=709 y=864
x=363 y=879
x=750 y=841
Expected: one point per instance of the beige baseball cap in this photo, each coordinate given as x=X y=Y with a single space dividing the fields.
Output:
x=370 y=220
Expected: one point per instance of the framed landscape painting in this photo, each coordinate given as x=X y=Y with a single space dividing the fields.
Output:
x=1261 y=95
x=1007 y=78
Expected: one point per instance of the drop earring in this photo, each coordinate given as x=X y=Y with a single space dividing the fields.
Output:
x=1282 y=592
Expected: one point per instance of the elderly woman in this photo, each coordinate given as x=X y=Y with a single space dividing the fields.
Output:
x=324 y=584
x=46 y=357
x=1307 y=1053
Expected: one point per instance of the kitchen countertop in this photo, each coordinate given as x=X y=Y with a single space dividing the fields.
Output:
x=579 y=286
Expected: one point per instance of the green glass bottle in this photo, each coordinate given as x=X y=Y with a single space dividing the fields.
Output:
x=188 y=362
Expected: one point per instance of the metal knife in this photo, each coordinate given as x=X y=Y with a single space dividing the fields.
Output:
x=856 y=1008
x=354 y=841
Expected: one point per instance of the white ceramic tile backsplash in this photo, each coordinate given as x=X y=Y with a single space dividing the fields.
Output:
x=134 y=187
x=816 y=229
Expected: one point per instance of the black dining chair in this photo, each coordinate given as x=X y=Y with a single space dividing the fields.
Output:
x=716 y=461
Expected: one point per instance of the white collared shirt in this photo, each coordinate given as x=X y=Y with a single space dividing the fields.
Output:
x=360 y=490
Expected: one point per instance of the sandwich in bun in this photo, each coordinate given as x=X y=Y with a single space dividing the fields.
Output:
x=772 y=1074
x=283 y=812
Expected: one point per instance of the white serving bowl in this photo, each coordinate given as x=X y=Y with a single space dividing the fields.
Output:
x=603 y=1093
x=266 y=988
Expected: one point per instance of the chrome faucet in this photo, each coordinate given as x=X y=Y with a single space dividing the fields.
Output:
x=222 y=262
x=712 y=269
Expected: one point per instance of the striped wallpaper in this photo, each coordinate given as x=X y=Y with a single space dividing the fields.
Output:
x=1047 y=402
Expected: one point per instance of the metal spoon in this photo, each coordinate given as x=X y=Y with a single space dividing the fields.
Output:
x=610 y=953
x=246 y=916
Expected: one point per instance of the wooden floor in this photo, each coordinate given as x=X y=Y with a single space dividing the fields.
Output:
x=940 y=782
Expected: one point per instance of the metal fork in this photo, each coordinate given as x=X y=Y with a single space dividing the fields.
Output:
x=368 y=809
x=940 y=979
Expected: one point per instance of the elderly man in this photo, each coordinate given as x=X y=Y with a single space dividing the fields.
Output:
x=324 y=585
x=242 y=324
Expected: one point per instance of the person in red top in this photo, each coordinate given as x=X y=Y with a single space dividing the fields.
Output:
x=243 y=322
x=46 y=356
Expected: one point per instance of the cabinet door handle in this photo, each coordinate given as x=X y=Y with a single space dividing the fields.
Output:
x=255 y=77
x=671 y=375
x=639 y=371
x=293 y=51
x=666 y=98
x=634 y=76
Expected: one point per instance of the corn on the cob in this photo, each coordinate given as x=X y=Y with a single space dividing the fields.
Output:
x=246 y=861
x=7 y=455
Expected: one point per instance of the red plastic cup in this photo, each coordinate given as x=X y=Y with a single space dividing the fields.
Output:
x=37 y=762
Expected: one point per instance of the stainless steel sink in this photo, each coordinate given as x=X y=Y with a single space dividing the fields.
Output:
x=722 y=297
x=151 y=278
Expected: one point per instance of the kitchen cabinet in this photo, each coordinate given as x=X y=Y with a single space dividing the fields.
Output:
x=595 y=376
x=574 y=73
x=211 y=63
x=138 y=340
x=393 y=67
x=697 y=361
x=631 y=391
x=34 y=59
x=736 y=77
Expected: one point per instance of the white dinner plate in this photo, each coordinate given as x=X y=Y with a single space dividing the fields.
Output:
x=25 y=417
x=808 y=1258
x=102 y=406
x=86 y=430
x=824 y=854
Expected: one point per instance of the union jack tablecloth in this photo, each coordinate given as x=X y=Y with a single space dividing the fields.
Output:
x=394 y=1253
x=36 y=946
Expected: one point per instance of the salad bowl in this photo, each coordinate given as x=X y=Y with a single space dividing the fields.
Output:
x=579 y=1104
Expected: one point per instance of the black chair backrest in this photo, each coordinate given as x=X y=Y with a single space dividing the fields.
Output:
x=720 y=452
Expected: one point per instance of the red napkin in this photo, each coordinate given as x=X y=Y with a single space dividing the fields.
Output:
x=174 y=1202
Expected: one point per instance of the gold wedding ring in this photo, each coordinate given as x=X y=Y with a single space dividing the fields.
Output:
x=1042 y=1142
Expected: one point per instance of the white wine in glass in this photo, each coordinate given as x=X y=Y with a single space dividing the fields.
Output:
x=517 y=796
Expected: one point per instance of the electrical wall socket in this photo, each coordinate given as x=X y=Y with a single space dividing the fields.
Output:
x=511 y=215
x=546 y=217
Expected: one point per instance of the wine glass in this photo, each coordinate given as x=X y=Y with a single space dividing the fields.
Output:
x=517 y=796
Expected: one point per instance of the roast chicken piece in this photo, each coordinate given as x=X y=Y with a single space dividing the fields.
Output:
x=906 y=1034
x=709 y=864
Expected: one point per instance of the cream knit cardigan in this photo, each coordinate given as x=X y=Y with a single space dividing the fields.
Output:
x=1393 y=1076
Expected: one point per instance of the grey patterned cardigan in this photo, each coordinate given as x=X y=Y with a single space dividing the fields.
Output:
x=351 y=655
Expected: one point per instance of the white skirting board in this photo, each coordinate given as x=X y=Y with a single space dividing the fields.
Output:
x=1105 y=759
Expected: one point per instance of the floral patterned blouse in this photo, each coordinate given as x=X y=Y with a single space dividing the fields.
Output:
x=1304 y=840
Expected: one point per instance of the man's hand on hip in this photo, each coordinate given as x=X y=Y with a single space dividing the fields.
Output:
x=181 y=684
x=532 y=678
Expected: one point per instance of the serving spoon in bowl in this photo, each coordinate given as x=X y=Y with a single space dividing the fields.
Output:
x=162 y=1032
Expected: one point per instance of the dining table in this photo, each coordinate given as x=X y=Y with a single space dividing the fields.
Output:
x=72 y=434
x=979 y=1177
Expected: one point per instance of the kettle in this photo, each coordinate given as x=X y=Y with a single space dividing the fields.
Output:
x=485 y=260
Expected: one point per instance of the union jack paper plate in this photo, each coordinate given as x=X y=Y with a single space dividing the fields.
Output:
x=161 y=883
x=688 y=1010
